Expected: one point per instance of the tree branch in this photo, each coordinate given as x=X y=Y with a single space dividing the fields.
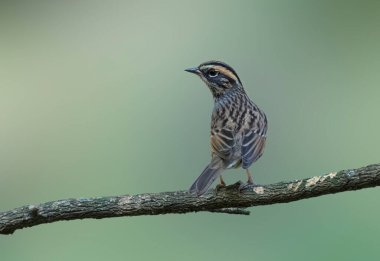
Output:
x=225 y=200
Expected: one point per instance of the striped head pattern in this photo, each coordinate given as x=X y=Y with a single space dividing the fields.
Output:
x=218 y=76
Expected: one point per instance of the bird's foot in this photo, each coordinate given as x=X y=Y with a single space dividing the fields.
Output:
x=248 y=184
x=220 y=186
x=235 y=186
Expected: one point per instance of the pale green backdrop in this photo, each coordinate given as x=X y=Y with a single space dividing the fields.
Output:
x=94 y=101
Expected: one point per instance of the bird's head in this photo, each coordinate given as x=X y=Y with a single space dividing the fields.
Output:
x=219 y=77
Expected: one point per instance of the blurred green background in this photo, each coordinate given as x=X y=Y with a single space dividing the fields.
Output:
x=94 y=101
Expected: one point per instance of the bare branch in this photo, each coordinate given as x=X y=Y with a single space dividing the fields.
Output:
x=225 y=200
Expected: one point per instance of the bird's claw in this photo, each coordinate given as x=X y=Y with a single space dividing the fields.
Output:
x=237 y=186
x=234 y=186
x=246 y=185
x=219 y=187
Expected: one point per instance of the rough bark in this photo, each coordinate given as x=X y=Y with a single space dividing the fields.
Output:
x=225 y=200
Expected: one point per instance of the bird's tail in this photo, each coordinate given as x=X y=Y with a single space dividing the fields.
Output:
x=208 y=176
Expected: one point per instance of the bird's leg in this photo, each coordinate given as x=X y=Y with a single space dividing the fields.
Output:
x=249 y=182
x=250 y=179
x=222 y=184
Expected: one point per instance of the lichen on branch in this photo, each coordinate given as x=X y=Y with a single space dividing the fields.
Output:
x=228 y=200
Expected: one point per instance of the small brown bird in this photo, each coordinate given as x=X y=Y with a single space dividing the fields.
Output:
x=238 y=126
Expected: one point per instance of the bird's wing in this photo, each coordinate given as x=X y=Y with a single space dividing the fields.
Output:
x=252 y=148
x=222 y=142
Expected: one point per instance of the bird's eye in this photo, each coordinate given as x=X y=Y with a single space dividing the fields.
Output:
x=213 y=73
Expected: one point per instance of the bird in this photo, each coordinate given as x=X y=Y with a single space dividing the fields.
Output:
x=238 y=126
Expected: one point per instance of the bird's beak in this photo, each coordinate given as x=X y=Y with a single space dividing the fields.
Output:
x=194 y=70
